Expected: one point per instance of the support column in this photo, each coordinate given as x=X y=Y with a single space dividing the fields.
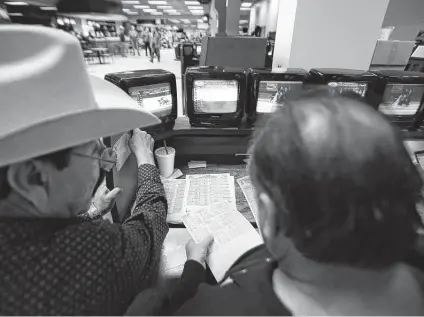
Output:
x=221 y=8
x=233 y=17
x=327 y=33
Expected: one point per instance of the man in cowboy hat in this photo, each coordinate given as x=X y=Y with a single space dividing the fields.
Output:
x=52 y=116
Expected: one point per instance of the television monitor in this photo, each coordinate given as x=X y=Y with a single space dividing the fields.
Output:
x=154 y=90
x=402 y=97
x=269 y=91
x=215 y=97
x=347 y=82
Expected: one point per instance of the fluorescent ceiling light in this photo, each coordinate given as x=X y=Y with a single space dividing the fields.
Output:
x=197 y=12
x=243 y=21
x=174 y=13
x=195 y=7
x=16 y=15
x=130 y=2
x=165 y=7
x=126 y=10
x=48 y=8
x=192 y=3
x=156 y=13
x=245 y=9
x=149 y=10
x=16 y=3
x=157 y=2
x=132 y=13
x=246 y=4
x=141 y=7
x=170 y=10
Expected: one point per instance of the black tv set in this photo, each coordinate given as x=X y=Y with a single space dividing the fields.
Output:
x=215 y=96
x=154 y=90
x=268 y=91
x=402 y=97
x=347 y=82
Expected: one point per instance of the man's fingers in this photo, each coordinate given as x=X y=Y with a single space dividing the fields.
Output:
x=113 y=194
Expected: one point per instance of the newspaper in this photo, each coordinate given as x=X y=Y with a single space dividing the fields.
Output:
x=249 y=192
x=208 y=189
x=233 y=234
x=174 y=191
x=122 y=150
x=173 y=254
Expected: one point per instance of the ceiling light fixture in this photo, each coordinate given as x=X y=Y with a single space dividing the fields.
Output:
x=130 y=2
x=197 y=12
x=16 y=3
x=246 y=4
x=132 y=13
x=195 y=7
x=157 y=2
x=141 y=7
x=149 y=10
x=191 y=3
x=245 y=9
x=165 y=7
x=243 y=21
x=156 y=13
x=48 y=8
x=174 y=13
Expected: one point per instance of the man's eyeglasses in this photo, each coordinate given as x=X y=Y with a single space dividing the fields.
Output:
x=107 y=159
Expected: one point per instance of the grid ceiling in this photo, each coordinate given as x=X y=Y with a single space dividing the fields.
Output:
x=176 y=11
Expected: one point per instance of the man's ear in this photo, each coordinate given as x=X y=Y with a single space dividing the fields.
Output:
x=270 y=226
x=30 y=180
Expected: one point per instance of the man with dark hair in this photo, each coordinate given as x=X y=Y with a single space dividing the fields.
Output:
x=52 y=161
x=337 y=196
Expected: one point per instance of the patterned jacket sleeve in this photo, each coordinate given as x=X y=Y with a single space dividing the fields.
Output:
x=143 y=233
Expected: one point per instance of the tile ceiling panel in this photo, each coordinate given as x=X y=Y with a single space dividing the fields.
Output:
x=178 y=5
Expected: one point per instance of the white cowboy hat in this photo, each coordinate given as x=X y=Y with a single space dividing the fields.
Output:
x=48 y=102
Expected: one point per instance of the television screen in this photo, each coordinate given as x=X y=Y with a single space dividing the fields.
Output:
x=401 y=99
x=155 y=98
x=273 y=94
x=198 y=49
x=215 y=96
x=340 y=88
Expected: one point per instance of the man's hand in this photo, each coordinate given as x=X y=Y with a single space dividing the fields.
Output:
x=103 y=200
x=199 y=251
x=141 y=144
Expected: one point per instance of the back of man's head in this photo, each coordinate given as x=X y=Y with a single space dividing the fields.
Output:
x=339 y=172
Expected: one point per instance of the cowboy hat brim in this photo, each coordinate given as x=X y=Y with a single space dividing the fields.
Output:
x=114 y=113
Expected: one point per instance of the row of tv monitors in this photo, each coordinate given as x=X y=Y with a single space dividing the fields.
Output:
x=228 y=97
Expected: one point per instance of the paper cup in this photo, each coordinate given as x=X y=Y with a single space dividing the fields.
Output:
x=165 y=161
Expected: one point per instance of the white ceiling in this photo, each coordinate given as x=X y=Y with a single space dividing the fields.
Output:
x=184 y=10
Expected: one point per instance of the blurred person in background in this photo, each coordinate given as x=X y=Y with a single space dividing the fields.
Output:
x=337 y=199
x=146 y=39
x=155 y=42
x=123 y=41
x=134 y=40
x=53 y=261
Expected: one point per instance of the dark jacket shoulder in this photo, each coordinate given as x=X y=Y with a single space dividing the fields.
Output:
x=247 y=291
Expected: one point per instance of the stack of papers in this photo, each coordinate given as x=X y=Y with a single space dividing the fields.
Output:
x=173 y=254
x=206 y=204
x=197 y=191
x=249 y=192
x=233 y=234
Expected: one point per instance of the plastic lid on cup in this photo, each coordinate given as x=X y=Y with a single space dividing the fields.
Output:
x=162 y=151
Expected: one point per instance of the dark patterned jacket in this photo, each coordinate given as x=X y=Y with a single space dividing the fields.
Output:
x=77 y=267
